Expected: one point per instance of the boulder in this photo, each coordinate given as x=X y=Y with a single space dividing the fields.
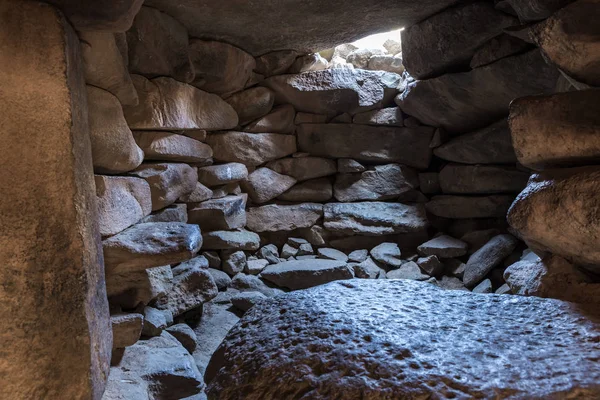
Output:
x=105 y=65
x=443 y=246
x=270 y=253
x=126 y=329
x=460 y=207
x=388 y=254
x=220 y=67
x=227 y=240
x=449 y=40
x=358 y=256
x=536 y=10
x=487 y=258
x=557 y=213
x=225 y=213
x=570 y=39
x=309 y=62
x=168 y=182
x=275 y=62
x=315 y=190
x=359 y=58
x=481 y=179
x=251 y=149
x=233 y=262
x=280 y=120
x=192 y=286
x=166 y=104
x=408 y=146
x=334 y=91
x=490 y=145
x=387 y=62
x=103 y=15
x=264 y=184
x=222 y=280
x=390 y=116
x=128 y=289
x=201 y=193
x=114 y=150
x=155 y=322
x=166 y=146
x=275 y=217
x=431 y=265
x=374 y=218
x=302 y=274
x=173 y=213
x=465 y=101
x=151 y=245
x=304 y=168
x=158 y=46
x=246 y=300
x=382 y=182
x=251 y=283
x=222 y=174
x=556 y=130
x=410 y=271
x=498 y=48
x=184 y=335
x=367 y=269
x=399 y=317
x=252 y=103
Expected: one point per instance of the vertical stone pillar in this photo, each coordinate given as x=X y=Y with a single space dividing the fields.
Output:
x=55 y=336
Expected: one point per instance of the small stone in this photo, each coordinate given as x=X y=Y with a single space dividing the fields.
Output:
x=476 y=239
x=360 y=57
x=233 y=262
x=443 y=246
x=185 y=335
x=304 y=168
x=332 y=254
x=358 y=256
x=251 y=283
x=409 y=270
x=305 y=249
x=454 y=267
x=288 y=251
x=484 y=287
x=222 y=280
x=391 y=116
x=487 y=258
x=255 y=267
x=388 y=254
x=275 y=217
x=504 y=289
x=246 y=300
x=302 y=274
x=269 y=253
x=296 y=242
x=451 y=283
x=154 y=322
x=225 y=190
x=126 y=329
x=431 y=265
x=348 y=165
x=367 y=269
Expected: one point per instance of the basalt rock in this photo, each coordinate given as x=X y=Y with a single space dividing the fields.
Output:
x=315 y=190
x=383 y=182
x=302 y=274
x=168 y=182
x=280 y=120
x=229 y=240
x=225 y=213
x=166 y=146
x=264 y=184
x=304 y=168
x=274 y=217
x=460 y=207
x=251 y=149
x=252 y=103
x=481 y=179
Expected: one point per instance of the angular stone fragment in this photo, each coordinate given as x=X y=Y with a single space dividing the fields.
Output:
x=383 y=182
x=173 y=213
x=358 y=255
x=126 y=329
x=166 y=104
x=229 y=189
x=252 y=103
x=226 y=240
x=251 y=283
x=151 y=245
x=158 y=46
x=367 y=269
x=459 y=207
x=105 y=66
x=570 y=39
x=275 y=217
x=304 y=168
x=122 y=202
x=280 y=120
x=255 y=267
x=154 y=322
x=315 y=190
x=166 y=146
x=184 y=335
x=481 y=179
x=168 y=182
x=409 y=270
x=332 y=254
x=348 y=165
x=264 y=184
x=251 y=149
x=131 y=288
x=484 y=287
x=113 y=148
x=558 y=213
x=408 y=146
x=246 y=300
x=556 y=130
x=443 y=246
x=466 y=101
x=431 y=265
x=490 y=145
x=222 y=174
x=487 y=258
x=233 y=262
x=450 y=39
x=499 y=47
x=374 y=218
x=226 y=213
x=220 y=67
x=391 y=116
x=304 y=274
x=222 y=280
x=388 y=254
x=334 y=91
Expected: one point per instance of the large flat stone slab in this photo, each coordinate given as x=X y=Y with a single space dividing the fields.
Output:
x=275 y=217
x=381 y=339
x=303 y=274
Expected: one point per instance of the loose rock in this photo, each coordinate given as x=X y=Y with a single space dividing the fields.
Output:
x=252 y=104
x=303 y=274
x=228 y=240
x=388 y=254
x=168 y=182
x=487 y=258
x=226 y=213
x=383 y=182
x=264 y=184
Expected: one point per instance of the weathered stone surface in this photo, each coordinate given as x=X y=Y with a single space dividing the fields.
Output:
x=105 y=65
x=408 y=146
x=173 y=213
x=451 y=283
x=450 y=39
x=498 y=48
x=443 y=246
x=466 y=101
x=226 y=240
x=280 y=120
x=334 y=91
x=122 y=202
x=470 y=206
x=222 y=174
x=382 y=182
x=155 y=322
x=557 y=130
x=158 y=46
x=264 y=184
x=104 y=15
x=350 y=243
x=126 y=329
x=246 y=300
x=166 y=146
x=184 y=335
x=410 y=271
x=151 y=245
x=200 y=193
x=309 y=62
x=113 y=148
x=429 y=182
x=192 y=286
x=490 y=145
x=275 y=62
x=275 y=217
x=168 y=182
x=536 y=10
x=358 y=255
x=348 y=165
x=251 y=283
x=131 y=288
x=359 y=58
x=225 y=213
x=332 y=254
x=391 y=116
x=302 y=274
x=400 y=317
x=158 y=368
x=557 y=213
x=255 y=267
x=220 y=67
x=484 y=287
x=431 y=265
x=270 y=253
x=487 y=258
x=304 y=168
x=222 y=280
x=374 y=218
x=56 y=339
x=389 y=254
x=570 y=39
x=387 y=62
x=481 y=179
x=252 y=103
x=367 y=269
x=166 y=104
x=251 y=149
x=315 y=190
x=233 y=262
x=229 y=189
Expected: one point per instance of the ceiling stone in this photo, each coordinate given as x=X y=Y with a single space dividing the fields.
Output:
x=261 y=26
